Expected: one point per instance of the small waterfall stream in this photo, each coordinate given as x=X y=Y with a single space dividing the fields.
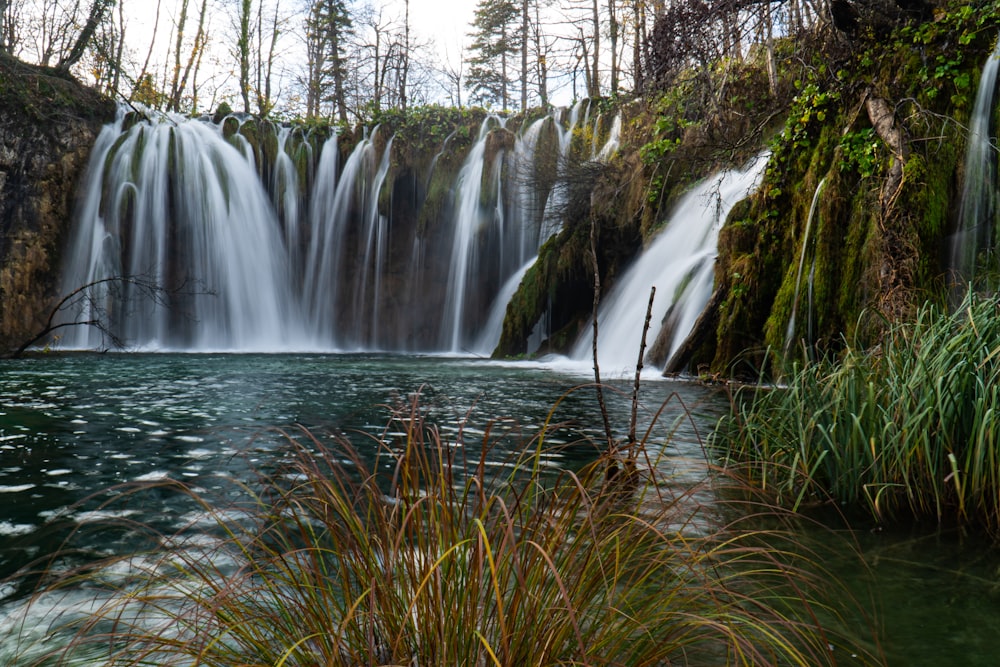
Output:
x=469 y=217
x=978 y=212
x=680 y=263
x=790 y=331
x=538 y=210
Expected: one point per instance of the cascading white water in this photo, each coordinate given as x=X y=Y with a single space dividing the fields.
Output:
x=322 y=258
x=490 y=334
x=978 y=212
x=374 y=231
x=346 y=252
x=468 y=218
x=285 y=188
x=680 y=263
x=280 y=263
x=790 y=331
x=610 y=147
x=176 y=188
x=552 y=210
x=536 y=206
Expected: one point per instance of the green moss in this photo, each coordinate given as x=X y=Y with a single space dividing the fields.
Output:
x=230 y=126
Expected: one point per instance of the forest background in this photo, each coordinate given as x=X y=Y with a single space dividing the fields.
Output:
x=346 y=61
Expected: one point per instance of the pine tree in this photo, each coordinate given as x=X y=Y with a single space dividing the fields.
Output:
x=327 y=27
x=496 y=45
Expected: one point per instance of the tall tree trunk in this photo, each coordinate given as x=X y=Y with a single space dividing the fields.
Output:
x=406 y=57
x=772 y=65
x=152 y=42
x=378 y=75
x=94 y=18
x=524 y=55
x=613 y=34
x=503 y=71
x=339 y=94
x=258 y=65
x=195 y=56
x=275 y=31
x=594 y=86
x=178 y=43
x=194 y=77
x=543 y=67
x=5 y=46
x=640 y=22
x=119 y=52
x=243 y=47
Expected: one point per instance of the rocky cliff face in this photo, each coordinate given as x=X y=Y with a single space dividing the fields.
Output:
x=48 y=124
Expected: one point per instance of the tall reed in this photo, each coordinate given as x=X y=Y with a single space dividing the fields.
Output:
x=423 y=556
x=905 y=430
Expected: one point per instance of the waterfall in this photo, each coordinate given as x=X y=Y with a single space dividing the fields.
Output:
x=604 y=153
x=552 y=209
x=790 y=331
x=173 y=189
x=469 y=217
x=679 y=262
x=292 y=242
x=978 y=210
x=490 y=334
x=326 y=213
x=538 y=205
x=284 y=188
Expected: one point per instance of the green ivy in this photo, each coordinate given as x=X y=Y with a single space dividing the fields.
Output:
x=861 y=151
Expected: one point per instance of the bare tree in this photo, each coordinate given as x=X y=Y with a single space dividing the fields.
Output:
x=390 y=64
x=243 y=50
x=594 y=87
x=179 y=24
x=639 y=39
x=613 y=47
x=405 y=58
x=6 y=32
x=98 y=8
x=453 y=73
x=84 y=307
x=524 y=54
x=542 y=49
x=144 y=72
x=194 y=58
x=107 y=52
x=264 y=67
x=119 y=52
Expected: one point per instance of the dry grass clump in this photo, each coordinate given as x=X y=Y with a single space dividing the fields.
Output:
x=422 y=554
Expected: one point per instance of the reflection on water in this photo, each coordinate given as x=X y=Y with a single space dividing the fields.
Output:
x=77 y=424
x=71 y=426
x=937 y=595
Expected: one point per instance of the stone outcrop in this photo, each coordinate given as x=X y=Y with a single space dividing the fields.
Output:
x=48 y=124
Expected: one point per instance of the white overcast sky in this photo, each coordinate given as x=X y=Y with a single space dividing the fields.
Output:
x=447 y=21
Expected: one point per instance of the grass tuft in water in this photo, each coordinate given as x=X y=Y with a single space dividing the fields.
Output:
x=904 y=431
x=423 y=555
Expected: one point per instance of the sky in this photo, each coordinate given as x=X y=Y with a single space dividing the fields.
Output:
x=447 y=21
